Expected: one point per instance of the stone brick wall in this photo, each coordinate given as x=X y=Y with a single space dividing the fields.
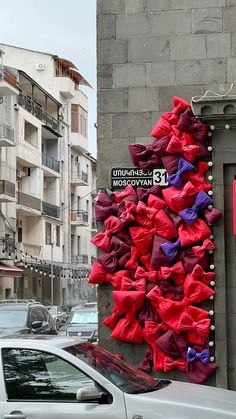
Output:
x=147 y=52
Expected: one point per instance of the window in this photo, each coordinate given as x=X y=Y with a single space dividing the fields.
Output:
x=79 y=120
x=58 y=236
x=37 y=314
x=48 y=233
x=31 y=134
x=36 y=375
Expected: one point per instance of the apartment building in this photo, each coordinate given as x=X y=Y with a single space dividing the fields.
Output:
x=53 y=177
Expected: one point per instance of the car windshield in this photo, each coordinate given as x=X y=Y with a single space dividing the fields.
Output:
x=52 y=310
x=125 y=376
x=84 y=317
x=12 y=318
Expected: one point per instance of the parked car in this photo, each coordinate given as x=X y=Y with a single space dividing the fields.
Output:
x=25 y=317
x=92 y=304
x=82 y=323
x=58 y=314
x=57 y=377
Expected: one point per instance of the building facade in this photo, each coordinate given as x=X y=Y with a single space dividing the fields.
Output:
x=147 y=52
x=52 y=176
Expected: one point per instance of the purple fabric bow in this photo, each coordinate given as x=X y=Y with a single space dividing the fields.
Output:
x=183 y=167
x=202 y=356
x=202 y=201
x=171 y=249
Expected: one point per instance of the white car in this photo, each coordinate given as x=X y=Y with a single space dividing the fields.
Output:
x=55 y=377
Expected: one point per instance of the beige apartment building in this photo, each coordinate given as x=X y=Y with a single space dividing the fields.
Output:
x=48 y=179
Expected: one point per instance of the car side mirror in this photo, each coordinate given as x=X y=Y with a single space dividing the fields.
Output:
x=36 y=324
x=89 y=394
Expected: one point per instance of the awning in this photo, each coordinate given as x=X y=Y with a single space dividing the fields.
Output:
x=10 y=270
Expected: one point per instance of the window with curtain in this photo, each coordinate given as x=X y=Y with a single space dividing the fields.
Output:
x=79 y=120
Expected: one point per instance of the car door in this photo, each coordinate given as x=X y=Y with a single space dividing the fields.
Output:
x=38 y=314
x=39 y=384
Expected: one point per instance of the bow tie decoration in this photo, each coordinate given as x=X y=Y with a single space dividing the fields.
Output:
x=156 y=250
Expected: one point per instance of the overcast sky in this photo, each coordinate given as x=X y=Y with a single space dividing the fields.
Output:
x=62 y=27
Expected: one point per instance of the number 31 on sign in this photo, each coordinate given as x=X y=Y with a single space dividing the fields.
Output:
x=160 y=177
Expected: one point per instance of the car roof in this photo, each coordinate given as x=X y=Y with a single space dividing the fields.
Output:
x=52 y=340
x=18 y=306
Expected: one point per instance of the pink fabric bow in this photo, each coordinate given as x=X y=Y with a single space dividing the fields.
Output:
x=201 y=327
x=176 y=272
x=176 y=146
x=99 y=275
x=132 y=263
x=128 y=192
x=178 y=199
x=206 y=246
x=165 y=227
x=142 y=238
x=149 y=276
x=195 y=291
x=103 y=240
x=127 y=284
x=128 y=214
x=145 y=215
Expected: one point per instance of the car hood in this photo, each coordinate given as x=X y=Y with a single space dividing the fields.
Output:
x=7 y=331
x=79 y=327
x=183 y=400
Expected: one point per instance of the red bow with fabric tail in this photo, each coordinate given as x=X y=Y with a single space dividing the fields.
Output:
x=197 y=178
x=170 y=364
x=112 y=320
x=199 y=274
x=132 y=263
x=145 y=215
x=187 y=323
x=176 y=272
x=151 y=332
x=195 y=291
x=128 y=214
x=176 y=146
x=142 y=238
x=99 y=275
x=165 y=227
x=190 y=234
x=128 y=328
x=207 y=246
x=103 y=240
x=149 y=276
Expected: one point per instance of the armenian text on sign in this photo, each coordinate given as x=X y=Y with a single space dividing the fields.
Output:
x=121 y=177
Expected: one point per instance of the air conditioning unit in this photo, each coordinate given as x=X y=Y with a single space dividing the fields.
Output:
x=16 y=107
x=40 y=66
x=20 y=173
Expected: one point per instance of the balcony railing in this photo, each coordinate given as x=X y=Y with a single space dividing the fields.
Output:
x=7 y=188
x=83 y=259
x=50 y=162
x=35 y=109
x=28 y=201
x=79 y=178
x=8 y=76
x=79 y=216
x=6 y=133
x=50 y=210
x=7 y=246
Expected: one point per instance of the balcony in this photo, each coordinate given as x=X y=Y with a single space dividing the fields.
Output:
x=7 y=191
x=8 y=83
x=79 y=142
x=6 y=136
x=28 y=204
x=79 y=218
x=7 y=247
x=51 y=163
x=50 y=210
x=35 y=109
x=83 y=259
x=79 y=179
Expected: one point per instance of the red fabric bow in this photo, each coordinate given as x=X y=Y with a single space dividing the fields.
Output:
x=199 y=251
x=197 y=314
x=195 y=291
x=197 y=177
x=112 y=320
x=128 y=328
x=176 y=146
x=103 y=240
x=128 y=214
x=149 y=276
x=165 y=227
x=170 y=363
x=187 y=323
x=198 y=274
x=190 y=234
x=152 y=331
x=176 y=272
x=129 y=191
x=178 y=199
x=144 y=215
x=99 y=275
x=132 y=263
x=142 y=238
x=127 y=284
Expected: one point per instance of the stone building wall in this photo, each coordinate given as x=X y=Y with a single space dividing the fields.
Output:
x=147 y=52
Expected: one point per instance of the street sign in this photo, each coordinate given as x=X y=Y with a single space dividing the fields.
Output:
x=123 y=176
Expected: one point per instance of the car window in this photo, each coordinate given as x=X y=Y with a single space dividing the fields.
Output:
x=37 y=314
x=85 y=316
x=37 y=375
x=12 y=318
x=52 y=310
